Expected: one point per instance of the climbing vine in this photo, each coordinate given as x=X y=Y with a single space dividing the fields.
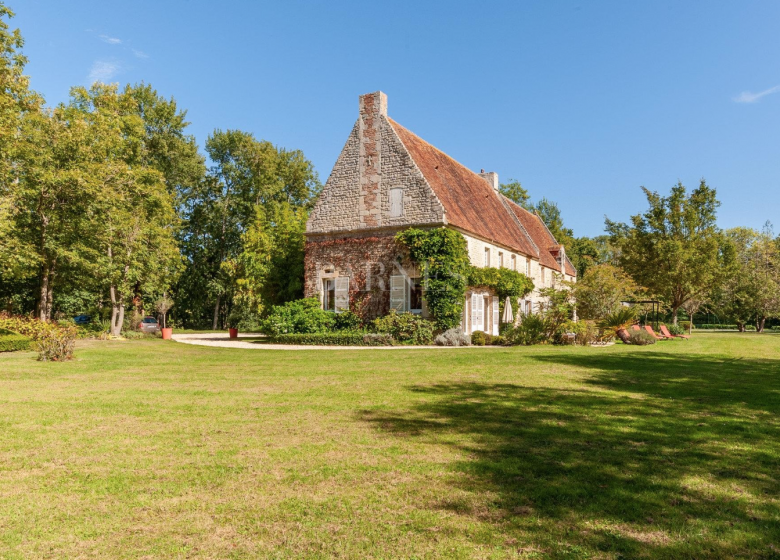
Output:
x=443 y=258
x=505 y=282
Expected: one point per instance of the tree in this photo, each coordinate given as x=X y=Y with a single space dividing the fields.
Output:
x=515 y=192
x=752 y=291
x=675 y=249
x=249 y=181
x=134 y=238
x=550 y=214
x=600 y=291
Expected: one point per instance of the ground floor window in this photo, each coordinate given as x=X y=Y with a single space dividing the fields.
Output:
x=406 y=294
x=415 y=295
x=329 y=294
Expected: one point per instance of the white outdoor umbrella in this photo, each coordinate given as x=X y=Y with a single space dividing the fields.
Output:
x=508 y=315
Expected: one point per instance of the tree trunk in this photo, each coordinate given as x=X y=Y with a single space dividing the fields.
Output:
x=740 y=326
x=215 y=324
x=760 y=324
x=47 y=292
x=674 y=315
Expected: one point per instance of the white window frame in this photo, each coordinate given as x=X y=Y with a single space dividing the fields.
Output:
x=409 y=285
x=396 y=196
x=514 y=262
x=500 y=259
x=528 y=267
x=487 y=257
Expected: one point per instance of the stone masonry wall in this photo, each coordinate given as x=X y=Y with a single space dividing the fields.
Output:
x=356 y=195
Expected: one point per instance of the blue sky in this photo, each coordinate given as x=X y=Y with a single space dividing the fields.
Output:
x=583 y=102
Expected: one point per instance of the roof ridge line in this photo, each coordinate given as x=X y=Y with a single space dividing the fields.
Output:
x=391 y=122
x=504 y=201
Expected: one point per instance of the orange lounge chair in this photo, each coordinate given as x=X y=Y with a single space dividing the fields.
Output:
x=649 y=329
x=667 y=334
x=636 y=327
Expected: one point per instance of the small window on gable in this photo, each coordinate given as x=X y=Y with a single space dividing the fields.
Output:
x=396 y=202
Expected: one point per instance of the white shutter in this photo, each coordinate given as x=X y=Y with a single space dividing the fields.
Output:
x=476 y=312
x=342 y=293
x=398 y=293
x=495 y=316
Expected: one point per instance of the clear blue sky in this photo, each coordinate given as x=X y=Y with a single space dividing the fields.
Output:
x=581 y=101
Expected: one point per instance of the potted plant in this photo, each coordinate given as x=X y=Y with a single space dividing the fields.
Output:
x=162 y=306
x=233 y=319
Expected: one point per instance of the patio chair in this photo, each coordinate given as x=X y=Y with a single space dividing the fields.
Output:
x=667 y=334
x=635 y=327
x=649 y=329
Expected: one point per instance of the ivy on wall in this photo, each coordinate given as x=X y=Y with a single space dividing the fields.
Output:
x=443 y=258
x=505 y=282
x=442 y=255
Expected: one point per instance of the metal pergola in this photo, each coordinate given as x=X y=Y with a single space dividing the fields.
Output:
x=656 y=308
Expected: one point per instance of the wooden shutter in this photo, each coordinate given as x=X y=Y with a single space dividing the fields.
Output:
x=398 y=293
x=342 y=293
x=476 y=313
x=495 y=316
x=396 y=203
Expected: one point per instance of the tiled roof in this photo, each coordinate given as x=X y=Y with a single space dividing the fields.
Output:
x=470 y=203
x=548 y=246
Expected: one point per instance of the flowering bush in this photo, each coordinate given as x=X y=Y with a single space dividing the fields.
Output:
x=56 y=345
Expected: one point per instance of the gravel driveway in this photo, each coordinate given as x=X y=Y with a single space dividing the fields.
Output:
x=224 y=341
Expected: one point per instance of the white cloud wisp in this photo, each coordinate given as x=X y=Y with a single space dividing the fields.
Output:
x=750 y=97
x=102 y=71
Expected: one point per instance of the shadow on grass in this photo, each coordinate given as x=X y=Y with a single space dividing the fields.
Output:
x=654 y=456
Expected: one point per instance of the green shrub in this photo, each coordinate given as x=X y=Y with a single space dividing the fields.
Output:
x=27 y=326
x=56 y=345
x=303 y=316
x=684 y=325
x=478 y=338
x=406 y=328
x=676 y=329
x=585 y=333
x=339 y=338
x=12 y=342
x=640 y=338
x=498 y=341
x=531 y=330
x=721 y=326
x=347 y=321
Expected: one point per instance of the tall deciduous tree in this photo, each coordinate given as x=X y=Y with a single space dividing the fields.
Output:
x=752 y=292
x=250 y=180
x=515 y=192
x=134 y=237
x=675 y=248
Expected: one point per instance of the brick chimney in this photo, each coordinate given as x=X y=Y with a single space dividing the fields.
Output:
x=373 y=106
x=491 y=177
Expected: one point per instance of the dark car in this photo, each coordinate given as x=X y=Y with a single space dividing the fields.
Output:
x=149 y=325
x=82 y=319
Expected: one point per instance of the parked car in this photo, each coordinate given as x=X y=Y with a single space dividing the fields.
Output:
x=82 y=319
x=149 y=325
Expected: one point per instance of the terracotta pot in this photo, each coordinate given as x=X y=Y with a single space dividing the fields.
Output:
x=167 y=333
x=233 y=333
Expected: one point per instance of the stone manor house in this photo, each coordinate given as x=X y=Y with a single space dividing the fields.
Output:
x=387 y=179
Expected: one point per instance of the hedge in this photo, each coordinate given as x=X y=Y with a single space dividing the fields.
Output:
x=12 y=342
x=335 y=339
x=724 y=327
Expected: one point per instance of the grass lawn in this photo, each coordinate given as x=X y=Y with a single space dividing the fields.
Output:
x=159 y=449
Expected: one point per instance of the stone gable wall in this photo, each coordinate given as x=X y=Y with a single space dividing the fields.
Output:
x=337 y=205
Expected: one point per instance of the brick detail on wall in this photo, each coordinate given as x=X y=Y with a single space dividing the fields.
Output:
x=368 y=259
x=372 y=106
